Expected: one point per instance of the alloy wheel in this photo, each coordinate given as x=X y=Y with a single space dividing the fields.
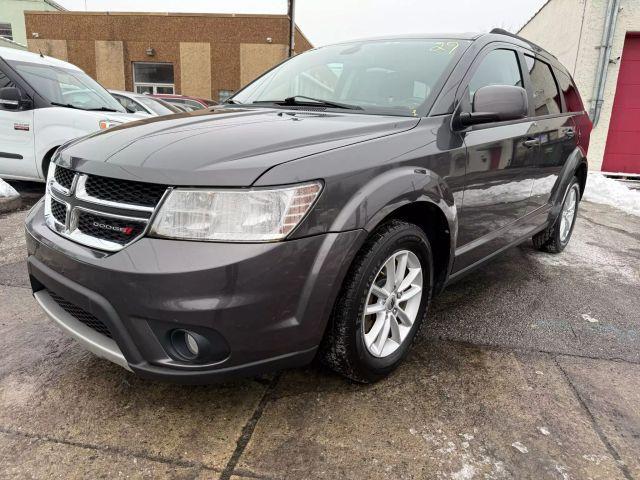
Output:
x=568 y=214
x=392 y=303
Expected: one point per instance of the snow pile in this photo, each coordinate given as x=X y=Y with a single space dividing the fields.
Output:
x=6 y=190
x=607 y=191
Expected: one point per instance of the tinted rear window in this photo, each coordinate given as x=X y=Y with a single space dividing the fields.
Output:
x=546 y=97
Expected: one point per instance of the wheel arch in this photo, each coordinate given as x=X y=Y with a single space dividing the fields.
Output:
x=434 y=223
x=46 y=160
x=415 y=195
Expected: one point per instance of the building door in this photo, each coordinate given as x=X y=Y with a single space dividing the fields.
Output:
x=153 y=78
x=622 y=153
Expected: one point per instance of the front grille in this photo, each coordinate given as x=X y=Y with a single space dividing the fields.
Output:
x=81 y=315
x=111 y=229
x=99 y=212
x=63 y=176
x=124 y=191
x=59 y=211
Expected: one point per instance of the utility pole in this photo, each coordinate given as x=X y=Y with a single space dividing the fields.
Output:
x=292 y=26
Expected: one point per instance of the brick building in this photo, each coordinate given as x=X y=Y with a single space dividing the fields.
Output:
x=204 y=55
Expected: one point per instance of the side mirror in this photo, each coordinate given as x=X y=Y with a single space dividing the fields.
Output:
x=496 y=103
x=10 y=98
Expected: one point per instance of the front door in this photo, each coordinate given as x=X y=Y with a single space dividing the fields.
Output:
x=500 y=161
x=16 y=139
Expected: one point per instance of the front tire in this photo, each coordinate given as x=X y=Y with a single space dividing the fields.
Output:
x=556 y=237
x=382 y=304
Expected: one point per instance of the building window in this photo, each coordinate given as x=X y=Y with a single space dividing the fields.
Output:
x=223 y=95
x=5 y=31
x=153 y=78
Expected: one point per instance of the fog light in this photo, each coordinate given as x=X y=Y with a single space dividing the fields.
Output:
x=188 y=345
x=191 y=343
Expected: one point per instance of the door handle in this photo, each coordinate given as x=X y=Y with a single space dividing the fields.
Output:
x=531 y=143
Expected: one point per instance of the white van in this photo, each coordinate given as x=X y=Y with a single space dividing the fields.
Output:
x=45 y=102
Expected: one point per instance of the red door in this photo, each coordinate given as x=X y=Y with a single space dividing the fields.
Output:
x=622 y=153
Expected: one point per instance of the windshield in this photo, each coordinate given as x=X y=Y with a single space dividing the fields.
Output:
x=67 y=87
x=158 y=106
x=394 y=77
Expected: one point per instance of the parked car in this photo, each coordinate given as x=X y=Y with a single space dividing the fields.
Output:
x=194 y=103
x=44 y=102
x=316 y=213
x=145 y=104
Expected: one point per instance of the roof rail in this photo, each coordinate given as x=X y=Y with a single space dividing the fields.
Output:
x=502 y=31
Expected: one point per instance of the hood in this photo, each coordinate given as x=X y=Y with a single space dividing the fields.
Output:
x=221 y=147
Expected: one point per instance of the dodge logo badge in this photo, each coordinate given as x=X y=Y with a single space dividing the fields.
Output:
x=125 y=230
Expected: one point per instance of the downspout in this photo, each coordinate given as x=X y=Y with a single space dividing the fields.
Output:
x=292 y=26
x=597 y=98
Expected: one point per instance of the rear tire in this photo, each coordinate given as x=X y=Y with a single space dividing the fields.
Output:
x=556 y=237
x=392 y=275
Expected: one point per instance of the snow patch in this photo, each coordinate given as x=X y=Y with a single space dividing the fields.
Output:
x=607 y=191
x=6 y=190
x=520 y=447
x=544 y=431
x=466 y=472
x=589 y=318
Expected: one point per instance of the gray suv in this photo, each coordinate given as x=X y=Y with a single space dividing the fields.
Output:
x=316 y=213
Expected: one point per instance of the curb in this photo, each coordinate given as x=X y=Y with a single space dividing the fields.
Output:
x=10 y=204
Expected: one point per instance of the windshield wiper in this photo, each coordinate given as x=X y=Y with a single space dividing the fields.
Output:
x=69 y=105
x=310 y=101
x=101 y=109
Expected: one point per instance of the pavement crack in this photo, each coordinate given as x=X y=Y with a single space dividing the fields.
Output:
x=603 y=438
x=519 y=349
x=247 y=430
x=176 y=462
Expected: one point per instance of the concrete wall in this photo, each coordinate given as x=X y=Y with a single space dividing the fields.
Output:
x=547 y=29
x=195 y=69
x=110 y=64
x=12 y=11
x=557 y=28
x=52 y=48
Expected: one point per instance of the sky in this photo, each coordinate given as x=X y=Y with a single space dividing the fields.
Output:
x=328 y=21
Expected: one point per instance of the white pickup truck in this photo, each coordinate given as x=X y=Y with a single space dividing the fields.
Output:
x=45 y=102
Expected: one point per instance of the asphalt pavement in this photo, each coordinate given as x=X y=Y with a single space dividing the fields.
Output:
x=527 y=368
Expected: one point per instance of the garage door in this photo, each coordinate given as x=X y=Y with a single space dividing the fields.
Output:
x=622 y=153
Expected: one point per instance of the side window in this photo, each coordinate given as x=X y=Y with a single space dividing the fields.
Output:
x=4 y=81
x=546 y=97
x=499 y=67
x=129 y=105
x=572 y=99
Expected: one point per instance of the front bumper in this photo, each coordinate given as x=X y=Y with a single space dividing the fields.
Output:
x=263 y=306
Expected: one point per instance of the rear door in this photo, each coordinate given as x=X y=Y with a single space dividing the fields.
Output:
x=553 y=128
x=16 y=138
x=500 y=161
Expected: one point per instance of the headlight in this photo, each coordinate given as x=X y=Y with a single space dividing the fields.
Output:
x=104 y=124
x=254 y=215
